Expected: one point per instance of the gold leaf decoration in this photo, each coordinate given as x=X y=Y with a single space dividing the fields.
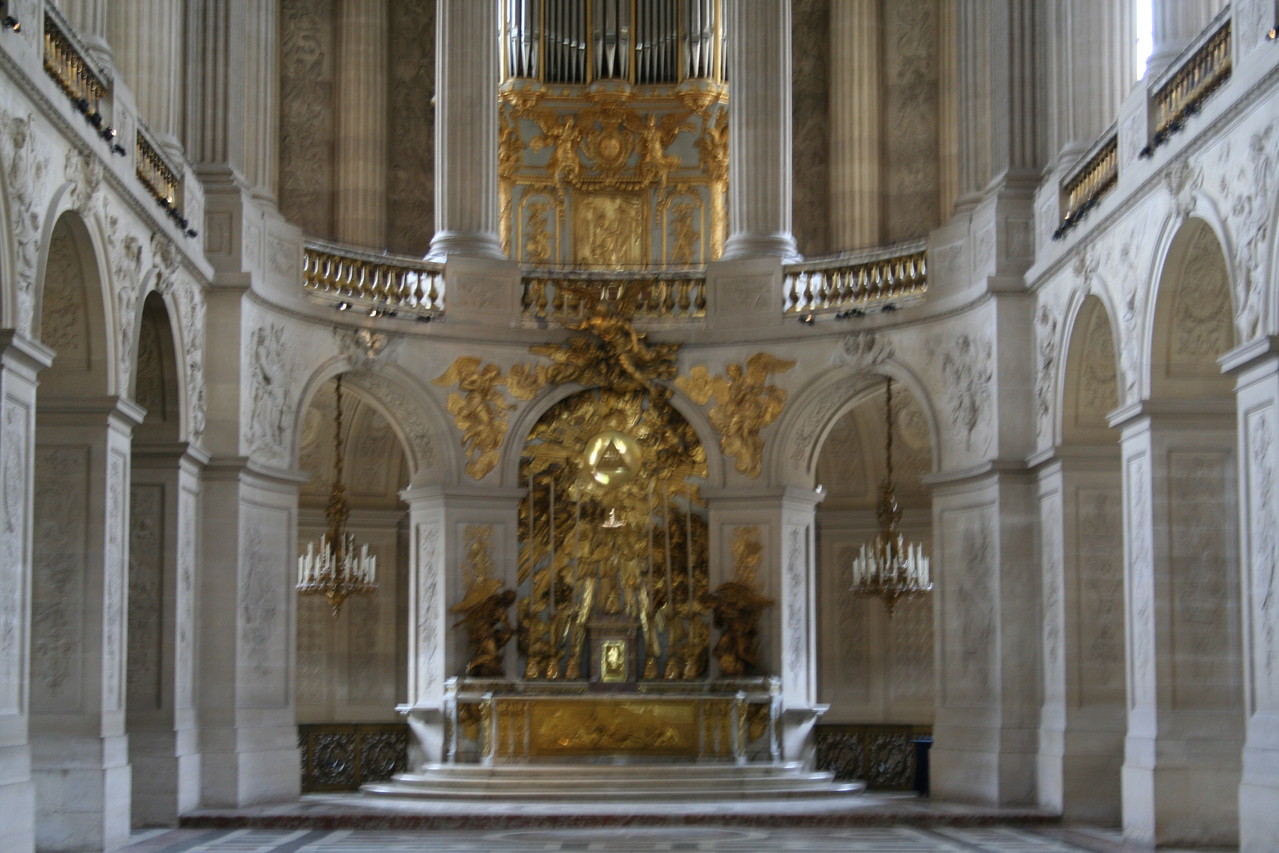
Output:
x=744 y=404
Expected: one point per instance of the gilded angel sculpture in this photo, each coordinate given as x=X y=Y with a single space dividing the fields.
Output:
x=744 y=405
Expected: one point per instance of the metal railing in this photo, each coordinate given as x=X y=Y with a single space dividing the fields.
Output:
x=65 y=62
x=1192 y=80
x=852 y=284
x=1095 y=175
x=154 y=171
x=374 y=284
x=570 y=294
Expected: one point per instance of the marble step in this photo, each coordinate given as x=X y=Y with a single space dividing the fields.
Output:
x=612 y=782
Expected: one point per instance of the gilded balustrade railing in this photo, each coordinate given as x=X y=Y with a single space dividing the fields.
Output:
x=570 y=295
x=65 y=62
x=374 y=284
x=1095 y=175
x=852 y=284
x=1194 y=79
x=154 y=171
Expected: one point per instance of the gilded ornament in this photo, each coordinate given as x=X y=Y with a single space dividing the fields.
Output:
x=744 y=405
x=737 y=605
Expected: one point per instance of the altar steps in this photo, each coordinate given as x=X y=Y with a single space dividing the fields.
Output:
x=612 y=782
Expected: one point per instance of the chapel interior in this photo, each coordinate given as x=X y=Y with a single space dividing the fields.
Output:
x=819 y=392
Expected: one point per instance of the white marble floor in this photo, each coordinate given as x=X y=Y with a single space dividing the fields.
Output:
x=890 y=839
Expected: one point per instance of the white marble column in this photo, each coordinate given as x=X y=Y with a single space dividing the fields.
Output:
x=1176 y=23
x=759 y=131
x=147 y=40
x=20 y=361
x=360 y=136
x=1256 y=368
x=162 y=726
x=972 y=96
x=1081 y=735
x=466 y=130
x=1090 y=72
x=1182 y=751
x=79 y=750
x=89 y=17
x=856 y=125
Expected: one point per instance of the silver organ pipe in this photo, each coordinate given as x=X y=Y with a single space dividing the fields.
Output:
x=648 y=41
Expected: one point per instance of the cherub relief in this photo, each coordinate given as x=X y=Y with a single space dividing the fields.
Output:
x=744 y=405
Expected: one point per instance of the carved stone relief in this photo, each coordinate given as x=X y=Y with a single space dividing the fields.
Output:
x=1250 y=215
x=862 y=351
x=24 y=172
x=810 y=84
x=125 y=252
x=270 y=386
x=191 y=307
x=428 y=611
x=115 y=576
x=184 y=616
x=1200 y=570
x=13 y=525
x=1099 y=563
x=909 y=117
x=146 y=596
x=967 y=371
x=1202 y=328
x=85 y=172
x=1140 y=572
x=1098 y=388
x=815 y=421
x=411 y=156
x=407 y=414
x=57 y=578
x=969 y=618
x=796 y=610
x=262 y=611
x=1260 y=433
x=1046 y=343
x=64 y=325
x=1051 y=557
x=307 y=90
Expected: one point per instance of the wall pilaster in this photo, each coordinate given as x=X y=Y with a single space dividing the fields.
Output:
x=361 y=145
x=1175 y=24
x=855 y=124
x=147 y=40
x=1181 y=756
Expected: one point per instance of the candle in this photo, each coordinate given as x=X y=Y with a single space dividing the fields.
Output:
x=666 y=516
x=550 y=536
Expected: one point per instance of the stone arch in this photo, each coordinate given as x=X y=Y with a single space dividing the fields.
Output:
x=1183 y=612
x=157 y=379
x=791 y=458
x=1088 y=374
x=1190 y=315
x=411 y=411
x=872 y=670
x=71 y=314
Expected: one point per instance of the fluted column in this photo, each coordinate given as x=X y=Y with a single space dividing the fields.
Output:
x=466 y=130
x=146 y=38
x=215 y=123
x=947 y=109
x=759 y=130
x=1176 y=23
x=89 y=17
x=972 y=95
x=360 y=167
x=1090 y=72
x=855 y=125
x=261 y=110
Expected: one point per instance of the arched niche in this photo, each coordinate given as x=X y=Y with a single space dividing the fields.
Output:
x=350 y=666
x=873 y=669
x=72 y=318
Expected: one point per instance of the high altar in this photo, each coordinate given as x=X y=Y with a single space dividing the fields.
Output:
x=610 y=634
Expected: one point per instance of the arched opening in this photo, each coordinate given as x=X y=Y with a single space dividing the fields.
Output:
x=876 y=670
x=1185 y=722
x=163 y=504
x=351 y=667
x=1081 y=540
x=79 y=551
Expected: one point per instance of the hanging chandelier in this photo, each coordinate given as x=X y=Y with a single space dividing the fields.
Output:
x=889 y=567
x=333 y=567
